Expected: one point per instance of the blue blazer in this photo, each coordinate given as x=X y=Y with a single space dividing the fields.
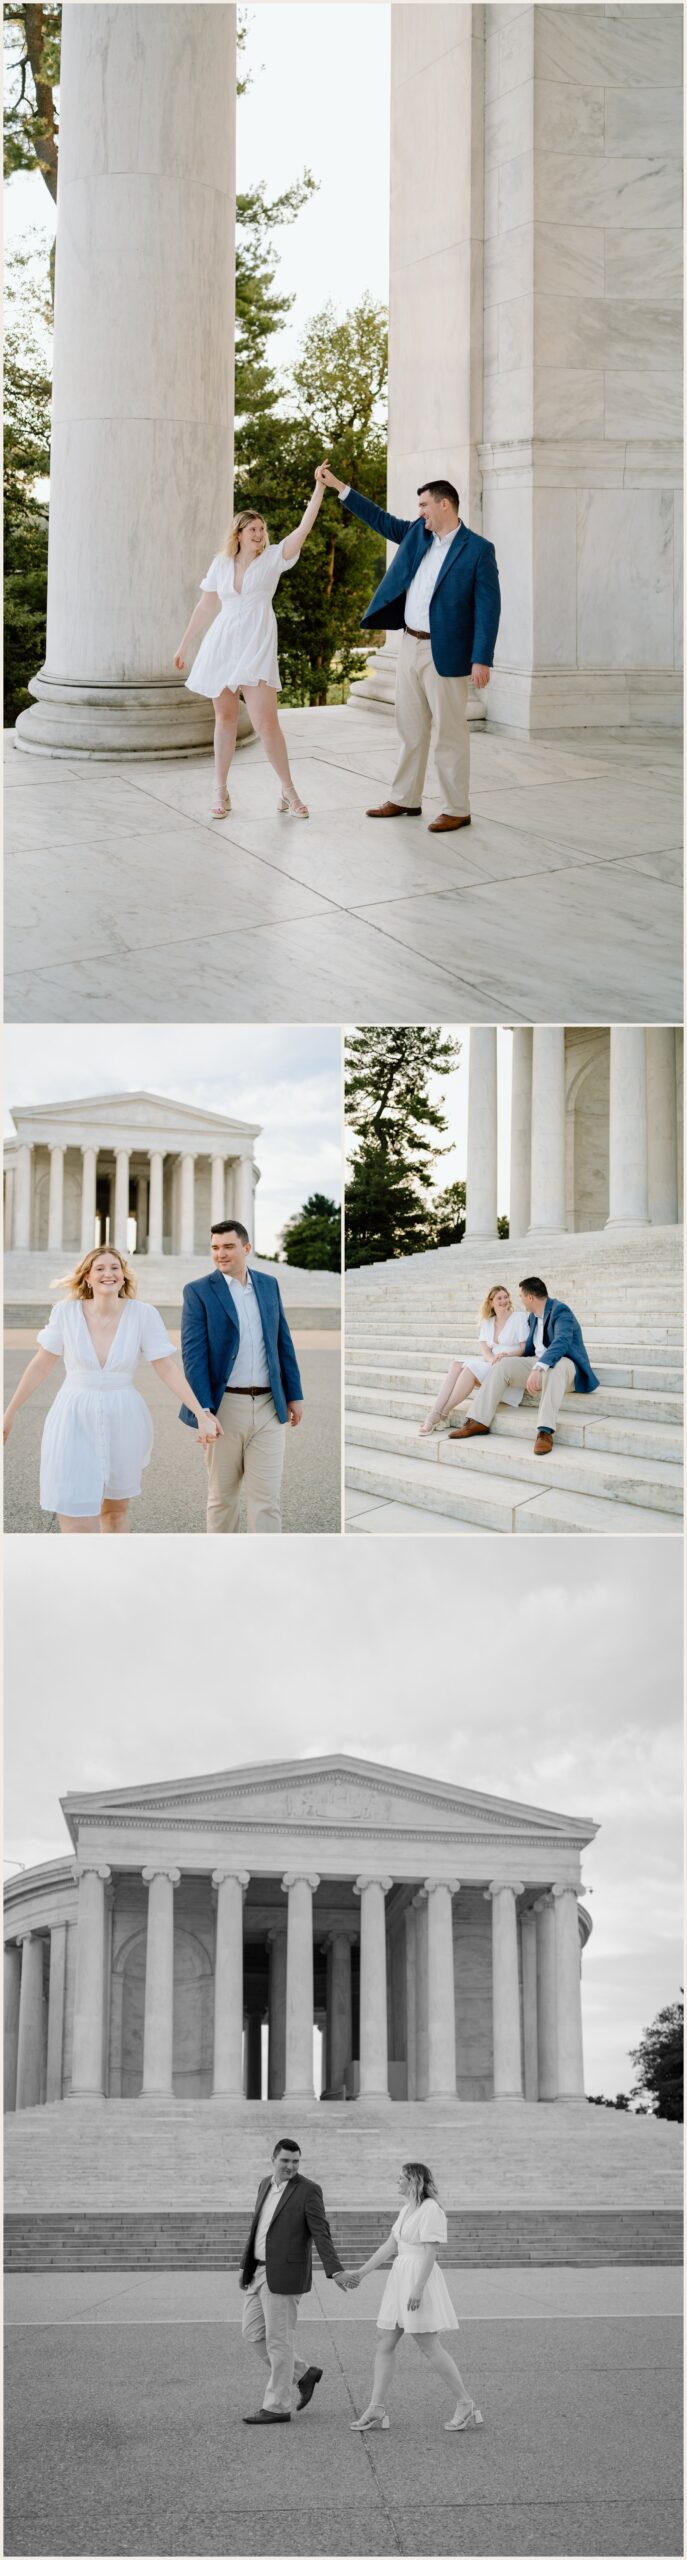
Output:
x=465 y=608
x=210 y=1340
x=563 y=1341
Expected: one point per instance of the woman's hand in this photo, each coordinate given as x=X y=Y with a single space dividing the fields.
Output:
x=414 y=2300
x=7 y=1426
x=329 y=477
x=180 y=660
x=209 y=1429
x=350 y=2280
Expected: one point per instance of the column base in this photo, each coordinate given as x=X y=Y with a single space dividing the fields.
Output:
x=298 y=2098
x=373 y=2098
x=508 y=2098
x=90 y=720
x=83 y=2097
x=442 y=2098
x=229 y=2097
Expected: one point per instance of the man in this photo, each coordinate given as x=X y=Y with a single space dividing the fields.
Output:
x=234 y=1335
x=442 y=592
x=553 y=1360
x=276 y=2269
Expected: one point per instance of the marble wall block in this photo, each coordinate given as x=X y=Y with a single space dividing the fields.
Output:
x=614 y=192
x=645 y=264
x=516 y=190
x=568 y=259
x=567 y=118
x=567 y=402
x=678 y=576
x=555 y=577
x=644 y=119
x=625 y=578
x=624 y=44
x=652 y=399
x=423 y=36
x=508 y=524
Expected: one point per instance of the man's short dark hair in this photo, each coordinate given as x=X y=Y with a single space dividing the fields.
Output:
x=439 y=489
x=230 y=1227
x=537 y=1288
x=286 y=2145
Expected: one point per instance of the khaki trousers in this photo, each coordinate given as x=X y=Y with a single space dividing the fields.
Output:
x=251 y=1452
x=424 y=698
x=513 y=1372
x=269 y=2325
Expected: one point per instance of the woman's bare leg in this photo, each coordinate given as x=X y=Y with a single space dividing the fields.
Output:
x=226 y=709
x=457 y=1385
x=388 y=2342
x=443 y=2365
x=114 y=1519
x=77 y=1528
x=261 y=705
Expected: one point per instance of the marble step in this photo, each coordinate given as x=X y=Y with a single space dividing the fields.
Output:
x=575 y=1429
x=511 y=1503
x=624 y=1478
x=604 y=1354
x=96 y=2243
x=618 y=1403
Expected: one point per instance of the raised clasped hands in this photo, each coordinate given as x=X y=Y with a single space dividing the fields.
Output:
x=324 y=472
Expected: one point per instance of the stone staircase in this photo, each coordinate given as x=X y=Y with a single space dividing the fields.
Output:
x=161 y=1278
x=616 y=1463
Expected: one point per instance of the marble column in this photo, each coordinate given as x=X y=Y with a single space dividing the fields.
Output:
x=56 y=1199
x=481 y=1199
x=230 y=1209
x=121 y=1198
x=89 y=1995
x=374 y=2067
x=22 y=1200
x=89 y=1166
x=441 y=2024
x=411 y=2001
x=339 y=2007
x=528 y=1942
x=661 y=1095
x=187 y=1213
x=547 y=1199
x=421 y=1995
x=253 y=2074
x=9 y=1208
x=521 y=1132
x=227 y=2075
x=506 y=1991
x=141 y=466
x=57 y=1985
x=141 y=1211
x=300 y=1999
x=243 y=1194
x=158 y=2021
x=30 y=2035
x=276 y=2041
x=570 y=2074
x=216 y=1189
x=12 y=1983
x=546 y=2000
x=627 y=1175
x=155 y=1203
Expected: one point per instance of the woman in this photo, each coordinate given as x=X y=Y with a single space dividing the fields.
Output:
x=416 y=2300
x=503 y=1328
x=238 y=654
x=98 y=1434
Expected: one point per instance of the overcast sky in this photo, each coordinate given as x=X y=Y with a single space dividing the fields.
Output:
x=288 y=1080
x=546 y=1671
x=451 y=1092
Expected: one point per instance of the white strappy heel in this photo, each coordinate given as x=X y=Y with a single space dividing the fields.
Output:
x=221 y=811
x=285 y=807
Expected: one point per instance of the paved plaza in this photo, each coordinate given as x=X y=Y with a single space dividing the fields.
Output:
x=125 y=2399
x=125 y=903
x=174 y=1492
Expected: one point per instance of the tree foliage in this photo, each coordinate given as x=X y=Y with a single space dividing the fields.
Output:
x=312 y=1238
x=397 y=1125
x=659 y=2062
x=32 y=70
x=260 y=310
x=26 y=464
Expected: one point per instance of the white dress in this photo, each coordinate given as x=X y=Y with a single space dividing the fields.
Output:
x=511 y=1339
x=241 y=644
x=415 y=2227
x=98 y=1434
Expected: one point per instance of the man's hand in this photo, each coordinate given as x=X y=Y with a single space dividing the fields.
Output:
x=295 y=1414
x=534 y=1381
x=329 y=477
x=480 y=677
x=209 y=1429
x=346 y=2280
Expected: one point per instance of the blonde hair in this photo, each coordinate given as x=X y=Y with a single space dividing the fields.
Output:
x=78 y=1281
x=248 y=515
x=488 y=1307
x=420 y=2179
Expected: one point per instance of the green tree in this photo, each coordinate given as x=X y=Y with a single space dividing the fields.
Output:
x=312 y=1238
x=259 y=309
x=32 y=70
x=26 y=464
x=449 y=1215
x=390 y=1111
x=659 y=2062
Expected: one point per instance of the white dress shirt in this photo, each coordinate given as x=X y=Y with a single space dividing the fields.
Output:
x=250 y=1366
x=539 y=1344
x=420 y=592
x=267 y=2210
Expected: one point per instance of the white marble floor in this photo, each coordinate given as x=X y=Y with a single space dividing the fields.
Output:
x=126 y=903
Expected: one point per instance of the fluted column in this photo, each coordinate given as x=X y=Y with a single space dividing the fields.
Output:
x=89 y=1163
x=276 y=2039
x=56 y=2005
x=56 y=1200
x=121 y=1199
x=9 y=1208
x=627 y=1182
x=374 y=2065
x=528 y=1942
x=217 y=1210
x=155 y=1203
x=30 y=2036
x=520 y=1132
x=411 y=2001
x=300 y=2000
x=230 y=1170
x=481 y=1198
x=187 y=1236
x=243 y=1191
x=547 y=1194
x=227 y=2075
x=158 y=2021
x=506 y=1991
x=89 y=1996
x=339 y=2006
x=546 y=2000
x=661 y=1095
x=141 y=1211
x=570 y=2074
x=22 y=1200
x=441 y=2025
x=12 y=1983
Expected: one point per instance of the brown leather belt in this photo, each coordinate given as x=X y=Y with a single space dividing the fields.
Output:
x=248 y=1391
x=415 y=635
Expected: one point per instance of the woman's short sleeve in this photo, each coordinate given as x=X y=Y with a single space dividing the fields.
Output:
x=211 y=583
x=522 y=1321
x=52 y=1336
x=486 y=1329
x=272 y=563
x=432 y=2224
x=155 y=1342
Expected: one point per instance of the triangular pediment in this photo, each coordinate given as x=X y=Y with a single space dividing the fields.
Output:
x=137 y=1110
x=300 y=1795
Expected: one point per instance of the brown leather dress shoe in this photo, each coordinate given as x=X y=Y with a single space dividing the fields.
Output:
x=269 y=2418
x=393 y=809
x=543 y=1444
x=443 y=825
x=471 y=1431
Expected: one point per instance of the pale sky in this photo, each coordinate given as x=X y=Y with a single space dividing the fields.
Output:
x=451 y=1092
x=288 y=1080
x=544 y=1671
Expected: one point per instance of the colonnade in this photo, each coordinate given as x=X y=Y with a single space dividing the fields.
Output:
x=232 y=1194
x=643 y=1140
x=535 y=1987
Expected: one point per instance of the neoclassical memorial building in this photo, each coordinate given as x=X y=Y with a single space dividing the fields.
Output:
x=80 y=1172
x=432 y=1934
x=595 y=1130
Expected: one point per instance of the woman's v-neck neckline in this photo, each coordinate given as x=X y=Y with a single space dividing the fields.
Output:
x=103 y=1364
